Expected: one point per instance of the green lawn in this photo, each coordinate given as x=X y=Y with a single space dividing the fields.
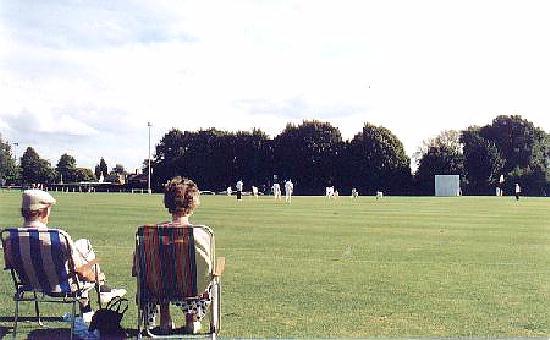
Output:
x=399 y=266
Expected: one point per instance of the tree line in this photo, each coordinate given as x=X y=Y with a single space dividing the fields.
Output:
x=314 y=155
x=32 y=169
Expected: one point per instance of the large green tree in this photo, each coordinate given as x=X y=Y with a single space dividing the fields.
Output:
x=439 y=155
x=212 y=158
x=450 y=139
x=8 y=169
x=100 y=168
x=312 y=154
x=35 y=170
x=378 y=161
x=249 y=154
x=168 y=153
x=307 y=154
x=523 y=150
x=84 y=175
x=483 y=163
x=66 y=168
x=519 y=141
x=438 y=160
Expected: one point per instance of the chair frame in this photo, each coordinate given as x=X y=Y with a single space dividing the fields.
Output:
x=216 y=270
x=40 y=295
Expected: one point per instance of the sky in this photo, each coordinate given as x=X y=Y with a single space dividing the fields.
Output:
x=85 y=77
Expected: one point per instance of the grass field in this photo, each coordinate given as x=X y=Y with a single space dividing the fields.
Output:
x=400 y=266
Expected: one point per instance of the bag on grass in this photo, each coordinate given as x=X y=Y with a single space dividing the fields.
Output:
x=107 y=320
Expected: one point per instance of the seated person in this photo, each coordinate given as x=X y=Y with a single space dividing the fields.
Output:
x=181 y=197
x=35 y=210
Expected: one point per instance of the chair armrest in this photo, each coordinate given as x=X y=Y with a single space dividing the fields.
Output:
x=220 y=266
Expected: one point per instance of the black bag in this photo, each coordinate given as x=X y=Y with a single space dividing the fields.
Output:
x=107 y=320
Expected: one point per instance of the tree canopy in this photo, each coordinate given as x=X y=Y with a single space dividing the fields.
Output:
x=438 y=160
x=510 y=146
x=314 y=155
x=378 y=161
x=308 y=154
x=8 y=169
x=100 y=169
x=66 y=168
x=35 y=170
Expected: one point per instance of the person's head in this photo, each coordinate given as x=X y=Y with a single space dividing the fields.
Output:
x=36 y=205
x=181 y=196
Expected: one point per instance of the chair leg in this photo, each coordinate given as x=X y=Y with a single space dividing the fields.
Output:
x=74 y=317
x=141 y=321
x=219 y=306
x=215 y=311
x=97 y=290
x=16 y=318
x=147 y=325
x=37 y=310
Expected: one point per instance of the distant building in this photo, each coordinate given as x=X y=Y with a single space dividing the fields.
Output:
x=114 y=178
x=137 y=180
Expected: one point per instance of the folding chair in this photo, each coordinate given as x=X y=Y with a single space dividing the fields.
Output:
x=42 y=269
x=167 y=271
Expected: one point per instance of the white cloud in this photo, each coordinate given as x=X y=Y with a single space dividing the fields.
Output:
x=51 y=123
x=96 y=72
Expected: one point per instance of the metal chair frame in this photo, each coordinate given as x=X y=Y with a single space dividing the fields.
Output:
x=40 y=295
x=215 y=273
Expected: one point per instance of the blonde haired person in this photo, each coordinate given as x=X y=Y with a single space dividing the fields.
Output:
x=36 y=208
x=181 y=197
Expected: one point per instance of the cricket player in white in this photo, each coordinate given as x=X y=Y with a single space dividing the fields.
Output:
x=277 y=191
x=239 y=190
x=288 y=191
x=255 y=191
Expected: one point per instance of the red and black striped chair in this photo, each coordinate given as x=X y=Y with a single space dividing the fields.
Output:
x=171 y=268
x=42 y=268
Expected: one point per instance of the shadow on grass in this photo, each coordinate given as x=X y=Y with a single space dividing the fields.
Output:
x=4 y=331
x=47 y=332
x=52 y=333
x=65 y=333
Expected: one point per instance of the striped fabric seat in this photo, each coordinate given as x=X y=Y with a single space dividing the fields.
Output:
x=177 y=264
x=41 y=258
x=167 y=270
x=42 y=269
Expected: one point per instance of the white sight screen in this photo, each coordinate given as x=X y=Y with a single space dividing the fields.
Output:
x=447 y=185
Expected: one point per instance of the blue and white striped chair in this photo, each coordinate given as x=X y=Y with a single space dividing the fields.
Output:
x=42 y=268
